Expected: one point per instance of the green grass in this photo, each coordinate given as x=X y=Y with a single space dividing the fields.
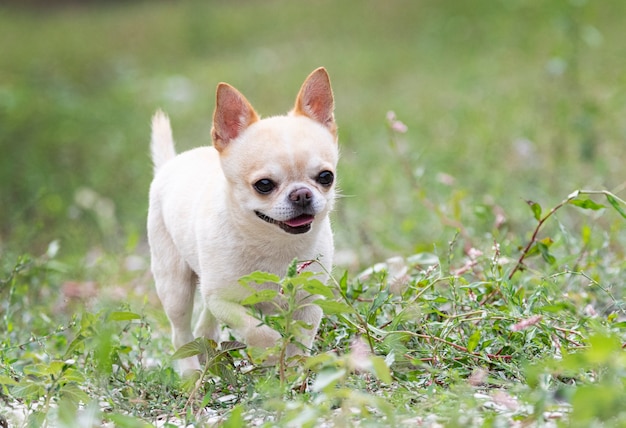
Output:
x=505 y=102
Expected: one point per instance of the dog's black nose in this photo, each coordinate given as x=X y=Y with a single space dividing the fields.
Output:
x=301 y=197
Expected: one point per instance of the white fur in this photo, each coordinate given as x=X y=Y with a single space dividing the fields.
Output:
x=162 y=144
x=203 y=229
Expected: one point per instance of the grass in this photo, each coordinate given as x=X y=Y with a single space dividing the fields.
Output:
x=510 y=107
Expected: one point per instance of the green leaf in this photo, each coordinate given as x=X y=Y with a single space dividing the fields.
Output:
x=188 y=350
x=379 y=301
x=547 y=241
x=320 y=360
x=74 y=394
x=536 y=209
x=303 y=325
x=5 y=380
x=603 y=349
x=381 y=370
x=42 y=370
x=532 y=251
x=235 y=418
x=126 y=421
x=343 y=282
x=190 y=379
x=332 y=307
x=545 y=253
x=222 y=367
x=29 y=390
x=292 y=270
x=615 y=204
x=75 y=345
x=586 y=204
x=259 y=297
x=556 y=308
x=317 y=287
x=73 y=375
x=600 y=402
x=327 y=378
x=123 y=316
x=36 y=419
x=231 y=345
x=473 y=341
x=259 y=278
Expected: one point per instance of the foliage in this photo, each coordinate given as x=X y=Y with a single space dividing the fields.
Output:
x=461 y=337
x=498 y=312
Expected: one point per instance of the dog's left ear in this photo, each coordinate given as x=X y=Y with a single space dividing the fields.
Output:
x=315 y=100
x=233 y=113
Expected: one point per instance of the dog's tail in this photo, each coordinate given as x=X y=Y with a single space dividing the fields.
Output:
x=162 y=142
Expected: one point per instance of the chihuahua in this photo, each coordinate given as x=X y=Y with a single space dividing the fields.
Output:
x=255 y=201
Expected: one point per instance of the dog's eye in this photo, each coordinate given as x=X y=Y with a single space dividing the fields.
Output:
x=264 y=186
x=325 y=178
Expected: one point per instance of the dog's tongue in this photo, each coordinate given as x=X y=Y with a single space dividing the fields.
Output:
x=301 y=220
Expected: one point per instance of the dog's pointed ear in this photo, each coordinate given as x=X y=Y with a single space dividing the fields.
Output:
x=233 y=114
x=315 y=100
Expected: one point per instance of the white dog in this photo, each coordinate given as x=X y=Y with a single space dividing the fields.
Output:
x=255 y=201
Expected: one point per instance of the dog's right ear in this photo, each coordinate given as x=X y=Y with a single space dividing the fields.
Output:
x=233 y=114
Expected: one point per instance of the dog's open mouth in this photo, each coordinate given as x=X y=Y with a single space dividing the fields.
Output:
x=296 y=225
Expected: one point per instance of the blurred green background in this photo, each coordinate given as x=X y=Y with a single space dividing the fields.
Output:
x=505 y=100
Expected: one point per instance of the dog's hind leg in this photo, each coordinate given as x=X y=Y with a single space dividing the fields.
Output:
x=176 y=289
x=176 y=285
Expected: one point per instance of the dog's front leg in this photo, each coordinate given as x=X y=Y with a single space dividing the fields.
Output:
x=237 y=318
x=311 y=315
x=207 y=326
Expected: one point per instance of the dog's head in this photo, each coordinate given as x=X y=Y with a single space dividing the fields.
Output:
x=281 y=170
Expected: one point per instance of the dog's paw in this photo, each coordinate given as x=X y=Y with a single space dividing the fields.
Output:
x=262 y=337
x=188 y=365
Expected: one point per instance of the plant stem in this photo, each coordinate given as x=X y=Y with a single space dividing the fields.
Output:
x=533 y=238
x=566 y=201
x=363 y=323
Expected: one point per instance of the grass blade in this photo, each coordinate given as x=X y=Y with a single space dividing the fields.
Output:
x=615 y=204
